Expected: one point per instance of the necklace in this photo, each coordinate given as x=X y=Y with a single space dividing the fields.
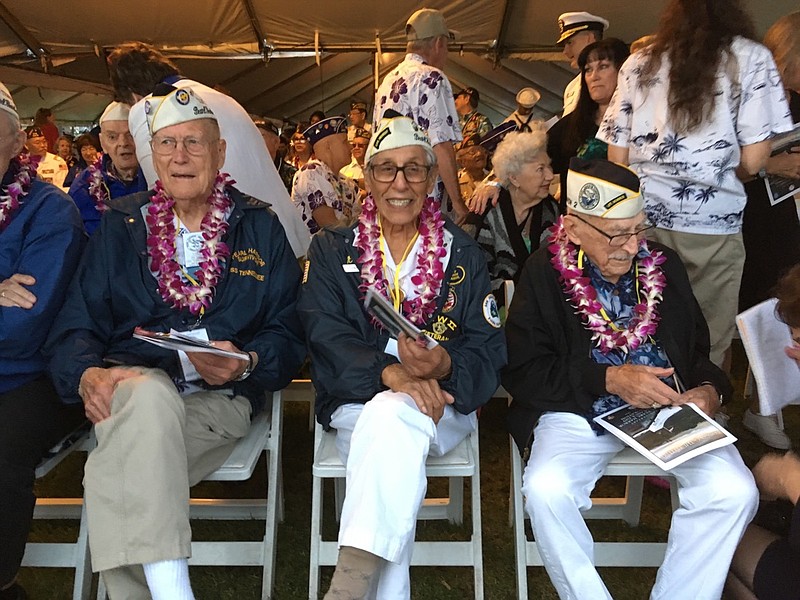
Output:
x=429 y=271
x=196 y=295
x=25 y=167
x=583 y=297
x=97 y=185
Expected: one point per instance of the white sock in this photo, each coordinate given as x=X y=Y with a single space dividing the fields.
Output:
x=169 y=579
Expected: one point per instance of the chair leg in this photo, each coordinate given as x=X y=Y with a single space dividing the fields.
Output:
x=274 y=500
x=634 y=486
x=83 y=571
x=455 y=502
x=520 y=540
x=316 y=540
x=477 y=529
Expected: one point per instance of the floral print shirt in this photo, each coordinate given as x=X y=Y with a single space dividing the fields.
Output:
x=316 y=185
x=423 y=93
x=618 y=300
x=688 y=179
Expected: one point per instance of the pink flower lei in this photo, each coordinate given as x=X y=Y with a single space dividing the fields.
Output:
x=161 y=247
x=583 y=297
x=25 y=166
x=97 y=185
x=429 y=273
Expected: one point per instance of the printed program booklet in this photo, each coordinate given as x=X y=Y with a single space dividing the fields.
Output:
x=394 y=322
x=666 y=436
x=780 y=188
x=184 y=343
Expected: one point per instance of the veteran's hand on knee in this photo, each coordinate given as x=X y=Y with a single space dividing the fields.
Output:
x=640 y=385
x=421 y=362
x=14 y=293
x=218 y=370
x=96 y=388
x=429 y=397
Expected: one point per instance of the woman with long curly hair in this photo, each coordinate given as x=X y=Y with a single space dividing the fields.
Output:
x=692 y=116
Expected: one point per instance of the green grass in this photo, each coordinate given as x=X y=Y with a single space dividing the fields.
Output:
x=291 y=578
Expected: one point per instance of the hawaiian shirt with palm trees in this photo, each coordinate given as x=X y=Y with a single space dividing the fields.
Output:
x=689 y=178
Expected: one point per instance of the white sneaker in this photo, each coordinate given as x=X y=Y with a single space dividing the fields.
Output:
x=767 y=429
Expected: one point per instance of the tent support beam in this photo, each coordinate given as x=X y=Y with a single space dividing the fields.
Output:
x=26 y=37
x=500 y=40
x=261 y=40
x=277 y=84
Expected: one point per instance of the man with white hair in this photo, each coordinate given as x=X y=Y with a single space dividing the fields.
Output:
x=164 y=419
x=576 y=31
x=116 y=172
x=418 y=88
x=601 y=319
x=136 y=68
x=41 y=238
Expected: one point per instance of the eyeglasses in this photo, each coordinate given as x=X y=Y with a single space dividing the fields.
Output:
x=620 y=239
x=387 y=173
x=166 y=146
x=358 y=145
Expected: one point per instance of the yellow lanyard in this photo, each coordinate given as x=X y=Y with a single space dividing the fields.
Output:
x=603 y=312
x=396 y=292
x=189 y=278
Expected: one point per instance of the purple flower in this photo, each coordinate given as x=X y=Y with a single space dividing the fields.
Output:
x=399 y=88
x=433 y=79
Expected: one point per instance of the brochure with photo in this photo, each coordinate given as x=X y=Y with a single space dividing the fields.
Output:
x=184 y=343
x=394 y=322
x=666 y=436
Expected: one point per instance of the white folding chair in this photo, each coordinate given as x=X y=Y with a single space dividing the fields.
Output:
x=461 y=463
x=264 y=436
x=73 y=555
x=629 y=464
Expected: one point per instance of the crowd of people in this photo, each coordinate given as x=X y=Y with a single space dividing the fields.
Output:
x=623 y=225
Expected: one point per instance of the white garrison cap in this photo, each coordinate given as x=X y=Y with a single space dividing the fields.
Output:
x=116 y=111
x=602 y=188
x=397 y=131
x=7 y=102
x=169 y=106
x=528 y=97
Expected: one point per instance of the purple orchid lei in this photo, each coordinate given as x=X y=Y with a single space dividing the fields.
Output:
x=429 y=273
x=97 y=186
x=25 y=166
x=583 y=297
x=161 y=247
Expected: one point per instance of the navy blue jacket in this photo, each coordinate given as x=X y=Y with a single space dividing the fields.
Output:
x=44 y=239
x=347 y=351
x=116 y=188
x=550 y=365
x=114 y=291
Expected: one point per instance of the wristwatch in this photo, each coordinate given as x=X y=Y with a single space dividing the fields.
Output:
x=720 y=398
x=250 y=366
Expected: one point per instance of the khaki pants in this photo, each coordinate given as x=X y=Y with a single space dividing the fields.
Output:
x=714 y=264
x=152 y=448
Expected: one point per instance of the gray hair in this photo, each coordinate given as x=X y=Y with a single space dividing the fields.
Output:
x=516 y=150
x=423 y=46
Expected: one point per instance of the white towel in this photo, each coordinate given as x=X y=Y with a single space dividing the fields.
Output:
x=764 y=337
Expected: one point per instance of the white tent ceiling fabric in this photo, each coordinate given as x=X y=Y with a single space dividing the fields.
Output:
x=503 y=45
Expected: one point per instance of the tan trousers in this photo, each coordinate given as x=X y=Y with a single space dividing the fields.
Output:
x=714 y=264
x=152 y=448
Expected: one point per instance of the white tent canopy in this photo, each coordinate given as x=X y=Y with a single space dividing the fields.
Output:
x=286 y=59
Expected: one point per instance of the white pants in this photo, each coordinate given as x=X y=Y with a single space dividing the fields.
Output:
x=384 y=444
x=717 y=494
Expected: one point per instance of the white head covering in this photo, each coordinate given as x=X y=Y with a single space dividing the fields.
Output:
x=528 y=97
x=396 y=131
x=7 y=102
x=116 y=111
x=571 y=23
x=603 y=189
x=169 y=106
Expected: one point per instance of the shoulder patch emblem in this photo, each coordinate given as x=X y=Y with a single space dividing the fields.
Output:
x=490 y=311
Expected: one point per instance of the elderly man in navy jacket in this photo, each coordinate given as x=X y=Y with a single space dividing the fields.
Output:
x=194 y=255
x=41 y=238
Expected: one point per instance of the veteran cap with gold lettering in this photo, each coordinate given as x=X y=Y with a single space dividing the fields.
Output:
x=604 y=189
x=397 y=131
x=168 y=105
